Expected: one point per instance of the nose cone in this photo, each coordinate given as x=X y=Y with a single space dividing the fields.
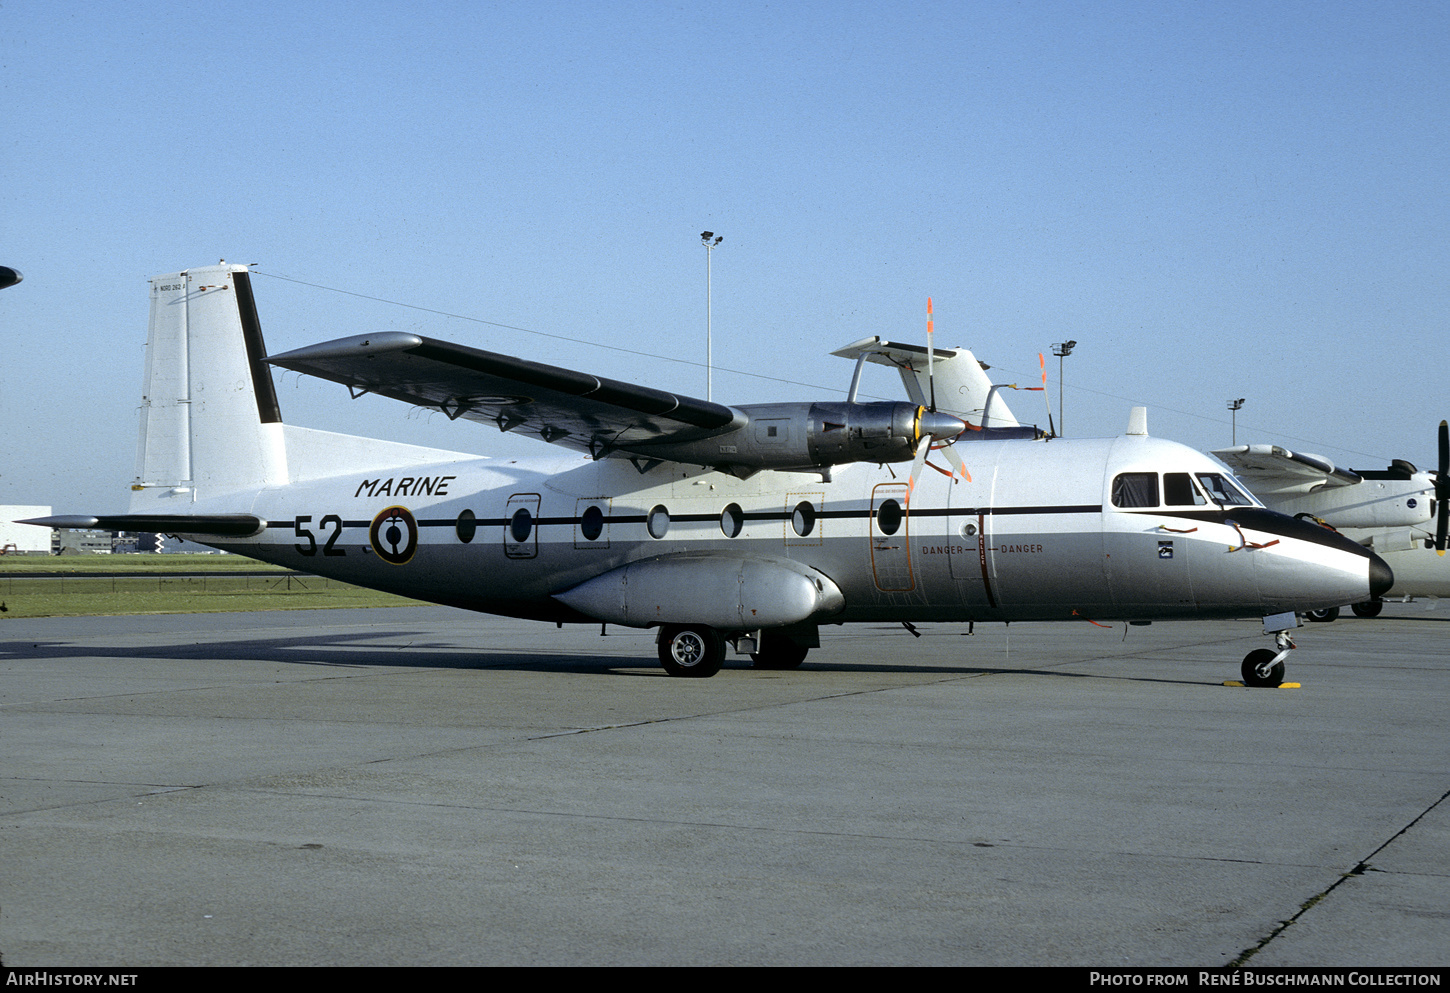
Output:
x=1381 y=577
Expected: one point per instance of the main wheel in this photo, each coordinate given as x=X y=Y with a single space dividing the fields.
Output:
x=1327 y=614
x=1255 y=672
x=1370 y=608
x=691 y=651
x=778 y=652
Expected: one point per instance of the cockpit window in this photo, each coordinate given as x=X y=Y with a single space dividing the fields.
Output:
x=1179 y=491
x=1135 y=489
x=1224 y=490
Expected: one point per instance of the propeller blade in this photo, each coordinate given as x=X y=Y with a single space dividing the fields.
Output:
x=920 y=460
x=1442 y=489
x=956 y=461
x=1045 y=398
x=930 y=357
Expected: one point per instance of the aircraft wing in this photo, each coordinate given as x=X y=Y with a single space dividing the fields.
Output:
x=577 y=410
x=1269 y=470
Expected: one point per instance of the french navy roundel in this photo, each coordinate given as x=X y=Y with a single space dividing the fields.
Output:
x=394 y=535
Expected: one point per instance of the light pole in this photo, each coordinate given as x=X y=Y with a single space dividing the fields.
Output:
x=710 y=246
x=1233 y=406
x=1062 y=350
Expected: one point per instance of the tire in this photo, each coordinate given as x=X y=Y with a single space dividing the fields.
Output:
x=1326 y=615
x=691 y=651
x=1370 y=608
x=1259 y=657
x=778 y=652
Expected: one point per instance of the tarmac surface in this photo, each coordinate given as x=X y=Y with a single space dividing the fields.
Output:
x=420 y=786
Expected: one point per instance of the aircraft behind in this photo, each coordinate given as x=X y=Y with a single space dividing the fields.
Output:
x=1401 y=513
x=745 y=526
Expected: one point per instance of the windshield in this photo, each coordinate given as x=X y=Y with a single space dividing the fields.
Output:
x=1224 y=490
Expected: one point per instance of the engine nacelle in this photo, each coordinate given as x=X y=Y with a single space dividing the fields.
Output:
x=814 y=436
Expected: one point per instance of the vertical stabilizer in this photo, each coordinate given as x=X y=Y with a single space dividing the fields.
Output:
x=210 y=424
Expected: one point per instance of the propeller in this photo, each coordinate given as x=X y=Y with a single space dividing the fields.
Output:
x=935 y=429
x=1051 y=428
x=1442 y=489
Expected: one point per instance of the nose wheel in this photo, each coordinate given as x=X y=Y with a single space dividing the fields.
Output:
x=1265 y=667
x=1261 y=668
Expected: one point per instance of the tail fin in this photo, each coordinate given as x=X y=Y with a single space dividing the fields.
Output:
x=210 y=424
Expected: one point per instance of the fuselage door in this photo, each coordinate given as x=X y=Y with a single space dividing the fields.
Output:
x=968 y=540
x=521 y=526
x=891 y=539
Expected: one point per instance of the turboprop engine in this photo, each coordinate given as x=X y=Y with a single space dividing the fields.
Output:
x=814 y=435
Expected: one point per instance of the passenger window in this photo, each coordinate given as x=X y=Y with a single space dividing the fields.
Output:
x=1136 y=489
x=1179 y=491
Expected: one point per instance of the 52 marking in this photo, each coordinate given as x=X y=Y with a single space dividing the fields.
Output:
x=330 y=521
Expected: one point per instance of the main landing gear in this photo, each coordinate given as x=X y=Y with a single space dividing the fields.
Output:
x=699 y=651
x=691 y=650
x=778 y=652
x=1264 y=667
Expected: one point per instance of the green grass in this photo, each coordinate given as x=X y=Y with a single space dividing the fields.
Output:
x=174 y=584
x=90 y=564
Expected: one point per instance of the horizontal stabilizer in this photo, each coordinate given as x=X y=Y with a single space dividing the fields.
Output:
x=961 y=386
x=213 y=525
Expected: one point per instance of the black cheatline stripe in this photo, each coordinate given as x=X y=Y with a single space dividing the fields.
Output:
x=1266 y=520
x=266 y=392
x=785 y=515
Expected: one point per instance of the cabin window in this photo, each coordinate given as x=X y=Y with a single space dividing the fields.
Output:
x=521 y=525
x=803 y=519
x=658 y=521
x=1179 y=491
x=732 y=521
x=591 y=523
x=1224 y=490
x=1135 y=489
x=888 y=517
x=466 y=527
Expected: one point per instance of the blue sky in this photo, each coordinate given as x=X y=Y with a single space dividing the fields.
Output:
x=1216 y=200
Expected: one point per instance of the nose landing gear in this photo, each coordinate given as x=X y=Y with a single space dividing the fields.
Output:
x=1263 y=667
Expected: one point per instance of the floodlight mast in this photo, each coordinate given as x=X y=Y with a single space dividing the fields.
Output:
x=1062 y=350
x=710 y=247
x=1233 y=406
